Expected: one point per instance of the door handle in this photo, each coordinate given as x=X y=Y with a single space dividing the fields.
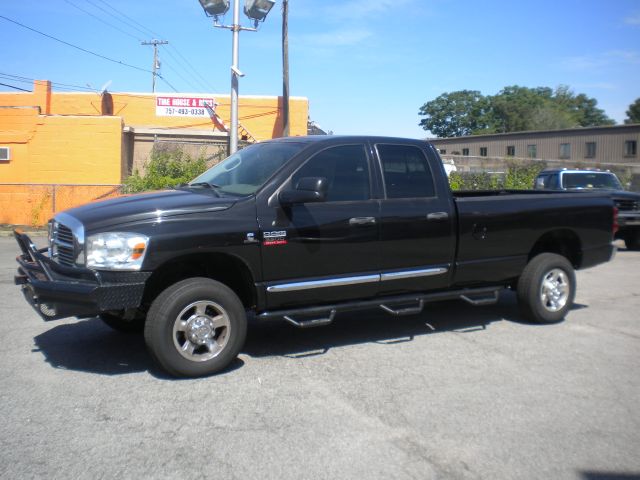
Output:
x=438 y=216
x=357 y=221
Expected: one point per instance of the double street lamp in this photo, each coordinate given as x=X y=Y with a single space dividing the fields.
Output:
x=256 y=10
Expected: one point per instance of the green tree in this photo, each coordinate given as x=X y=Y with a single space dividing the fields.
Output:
x=512 y=109
x=455 y=114
x=633 y=114
x=583 y=109
x=550 y=117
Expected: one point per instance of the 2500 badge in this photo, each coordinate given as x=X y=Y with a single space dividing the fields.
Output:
x=278 y=237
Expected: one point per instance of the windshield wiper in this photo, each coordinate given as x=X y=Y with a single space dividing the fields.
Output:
x=214 y=188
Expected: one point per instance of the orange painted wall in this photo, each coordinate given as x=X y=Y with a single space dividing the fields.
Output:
x=47 y=149
x=261 y=116
x=63 y=138
x=60 y=149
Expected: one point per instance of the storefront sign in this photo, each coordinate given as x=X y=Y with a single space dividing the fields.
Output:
x=183 y=106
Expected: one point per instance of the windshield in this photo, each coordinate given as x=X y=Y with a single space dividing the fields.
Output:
x=589 y=180
x=244 y=172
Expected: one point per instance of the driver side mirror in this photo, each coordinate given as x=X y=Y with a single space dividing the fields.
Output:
x=307 y=190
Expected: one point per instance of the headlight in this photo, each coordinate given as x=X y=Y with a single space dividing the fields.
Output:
x=116 y=250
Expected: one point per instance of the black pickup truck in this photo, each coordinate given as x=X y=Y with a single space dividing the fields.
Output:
x=300 y=229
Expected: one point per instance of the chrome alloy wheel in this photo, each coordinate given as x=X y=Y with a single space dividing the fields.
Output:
x=201 y=331
x=555 y=289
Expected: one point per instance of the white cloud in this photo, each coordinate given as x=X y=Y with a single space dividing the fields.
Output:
x=600 y=60
x=336 y=38
x=352 y=10
x=596 y=86
x=633 y=19
x=363 y=8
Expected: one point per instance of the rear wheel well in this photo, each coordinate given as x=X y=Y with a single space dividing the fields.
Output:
x=561 y=242
x=226 y=269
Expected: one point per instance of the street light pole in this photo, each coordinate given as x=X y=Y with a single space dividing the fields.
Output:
x=235 y=29
x=285 y=68
x=256 y=10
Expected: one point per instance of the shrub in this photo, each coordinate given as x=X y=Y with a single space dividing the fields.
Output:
x=517 y=176
x=166 y=167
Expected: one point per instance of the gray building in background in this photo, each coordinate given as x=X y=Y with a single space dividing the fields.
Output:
x=576 y=146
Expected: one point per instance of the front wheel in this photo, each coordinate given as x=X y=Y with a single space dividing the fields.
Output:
x=195 y=327
x=546 y=288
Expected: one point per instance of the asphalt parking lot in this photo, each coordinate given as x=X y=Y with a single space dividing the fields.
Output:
x=456 y=392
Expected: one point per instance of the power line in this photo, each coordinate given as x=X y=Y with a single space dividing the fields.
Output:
x=128 y=24
x=16 y=88
x=101 y=19
x=67 y=86
x=75 y=46
x=206 y=83
x=165 y=81
x=131 y=19
x=177 y=72
x=186 y=63
x=200 y=85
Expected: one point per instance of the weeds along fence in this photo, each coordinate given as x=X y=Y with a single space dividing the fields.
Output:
x=33 y=204
x=487 y=173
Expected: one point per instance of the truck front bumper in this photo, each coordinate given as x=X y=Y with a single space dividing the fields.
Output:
x=57 y=291
x=628 y=219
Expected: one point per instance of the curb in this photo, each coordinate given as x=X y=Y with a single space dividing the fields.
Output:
x=31 y=233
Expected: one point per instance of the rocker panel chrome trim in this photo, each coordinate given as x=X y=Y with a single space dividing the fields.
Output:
x=355 y=280
x=425 y=272
x=330 y=282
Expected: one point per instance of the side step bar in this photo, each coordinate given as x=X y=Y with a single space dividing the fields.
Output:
x=323 y=315
x=405 y=311
x=314 y=322
x=479 y=300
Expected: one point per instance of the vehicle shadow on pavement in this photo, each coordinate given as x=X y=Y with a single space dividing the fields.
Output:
x=90 y=346
x=375 y=326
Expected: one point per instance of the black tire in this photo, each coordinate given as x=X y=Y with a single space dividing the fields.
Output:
x=632 y=240
x=195 y=327
x=546 y=288
x=120 y=324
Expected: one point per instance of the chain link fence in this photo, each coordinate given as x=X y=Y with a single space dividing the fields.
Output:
x=34 y=204
x=474 y=172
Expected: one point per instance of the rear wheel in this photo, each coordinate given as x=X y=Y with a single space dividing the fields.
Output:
x=546 y=288
x=195 y=327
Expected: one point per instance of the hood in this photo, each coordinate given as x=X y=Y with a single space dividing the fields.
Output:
x=622 y=194
x=149 y=205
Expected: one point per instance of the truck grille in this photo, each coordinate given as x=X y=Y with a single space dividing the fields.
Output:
x=62 y=245
x=624 y=204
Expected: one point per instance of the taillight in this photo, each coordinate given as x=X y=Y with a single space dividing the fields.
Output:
x=616 y=226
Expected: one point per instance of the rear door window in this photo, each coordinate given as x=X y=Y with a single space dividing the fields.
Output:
x=346 y=169
x=406 y=171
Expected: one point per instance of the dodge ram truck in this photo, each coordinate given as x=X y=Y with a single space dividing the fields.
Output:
x=299 y=230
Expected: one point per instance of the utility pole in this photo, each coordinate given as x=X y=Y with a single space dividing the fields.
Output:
x=155 y=44
x=285 y=68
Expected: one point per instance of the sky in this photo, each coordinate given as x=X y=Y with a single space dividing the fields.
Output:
x=366 y=66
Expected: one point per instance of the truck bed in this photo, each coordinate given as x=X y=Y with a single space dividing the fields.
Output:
x=499 y=229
